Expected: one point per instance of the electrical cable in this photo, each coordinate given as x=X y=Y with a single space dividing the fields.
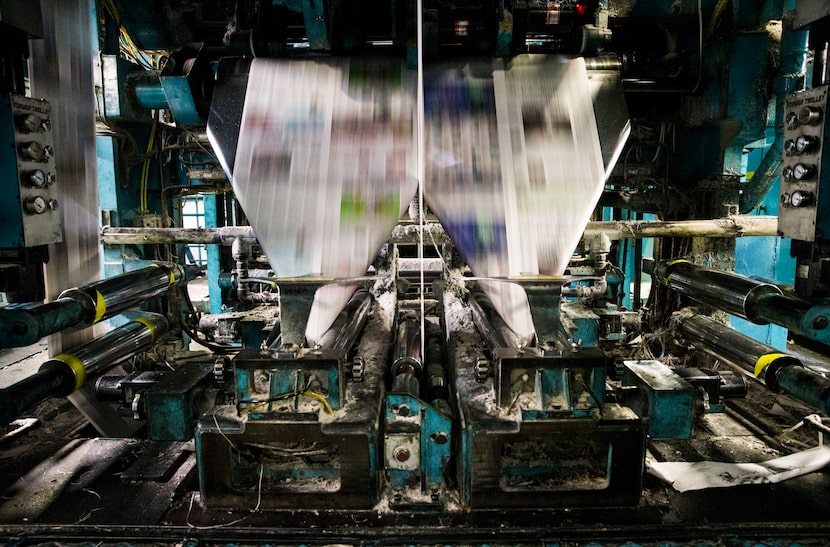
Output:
x=700 y=42
x=421 y=149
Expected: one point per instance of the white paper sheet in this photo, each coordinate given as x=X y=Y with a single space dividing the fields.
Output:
x=685 y=476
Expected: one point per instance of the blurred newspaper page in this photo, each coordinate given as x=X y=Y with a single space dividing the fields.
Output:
x=325 y=166
x=514 y=167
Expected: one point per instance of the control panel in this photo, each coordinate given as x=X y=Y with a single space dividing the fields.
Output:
x=804 y=177
x=29 y=208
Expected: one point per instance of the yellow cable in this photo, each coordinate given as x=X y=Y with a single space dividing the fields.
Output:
x=267 y=401
x=145 y=171
x=307 y=393
x=113 y=12
x=321 y=399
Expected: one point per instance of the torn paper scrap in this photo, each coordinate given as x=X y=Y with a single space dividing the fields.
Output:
x=684 y=476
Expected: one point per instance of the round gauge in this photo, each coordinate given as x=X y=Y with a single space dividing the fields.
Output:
x=37 y=205
x=805 y=143
x=37 y=178
x=32 y=151
x=803 y=171
x=28 y=123
x=801 y=198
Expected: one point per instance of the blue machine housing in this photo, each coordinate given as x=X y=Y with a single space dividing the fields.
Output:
x=417 y=444
x=298 y=436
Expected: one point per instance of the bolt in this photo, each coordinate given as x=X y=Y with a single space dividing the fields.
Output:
x=439 y=438
x=403 y=411
x=820 y=322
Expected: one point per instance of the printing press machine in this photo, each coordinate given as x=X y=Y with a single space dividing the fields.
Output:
x=163 y=380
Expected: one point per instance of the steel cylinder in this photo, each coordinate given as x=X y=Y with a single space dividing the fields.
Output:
x=484 y=315
x=349 y=323
x=755 y=300
x=407 y=353
x=730 y=345
x=69 y=371
x=406 y=383
x=732 y=293
x=84 y=306
x=779 y=372
x=113 y=295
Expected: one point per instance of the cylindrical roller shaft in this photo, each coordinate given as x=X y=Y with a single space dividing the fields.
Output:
x=437 y=387
x=68 y=371
x=436 y=377
x=779 y=371
x=406 y=383
x=725 y=291
x=407 y=362
x=754 y=300
x=85 y=306
x=113 y=295
x=349 y=324
x=483 y=315
x=407 y=354
x=730 y=345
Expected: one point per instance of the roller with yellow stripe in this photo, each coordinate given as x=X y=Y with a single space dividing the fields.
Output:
x=84 y=306
x=69 y=371
x=779 y=371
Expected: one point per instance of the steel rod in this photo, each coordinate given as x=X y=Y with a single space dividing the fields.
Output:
x=758 y=301
x=68 y=372
x=22 y=325
x=779 y=371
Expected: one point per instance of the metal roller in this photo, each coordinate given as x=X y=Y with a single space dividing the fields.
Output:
x=349 y=324
x=750 y=299
x=84 y=306
x=67 y=372
x=779 y=372
x=484 y=316
x=407 y=362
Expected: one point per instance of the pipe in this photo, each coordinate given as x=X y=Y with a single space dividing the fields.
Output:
x=82 y=307
x=750 y=299
x=349 y=323
x=111 y=235
x=68 y=372
x=779 y=372
x=595 y=289
x=735 y=226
